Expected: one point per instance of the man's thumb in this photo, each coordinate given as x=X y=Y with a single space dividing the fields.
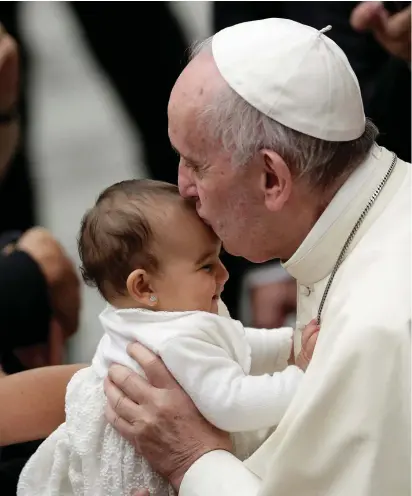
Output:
x=400 y=23
x=369 y=16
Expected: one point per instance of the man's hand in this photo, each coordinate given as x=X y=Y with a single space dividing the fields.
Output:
x=158 y=417
x=393 y=32
x=60 y=275
x=272 y=303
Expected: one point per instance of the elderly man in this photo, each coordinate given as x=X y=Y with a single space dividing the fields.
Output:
x=274 y=146
x=369 y=35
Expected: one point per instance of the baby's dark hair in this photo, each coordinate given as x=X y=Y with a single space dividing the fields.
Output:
x=116 y=236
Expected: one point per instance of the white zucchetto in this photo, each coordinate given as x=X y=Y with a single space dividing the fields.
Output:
x=294 y=74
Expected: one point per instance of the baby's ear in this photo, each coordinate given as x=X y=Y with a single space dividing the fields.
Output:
x=138 y=287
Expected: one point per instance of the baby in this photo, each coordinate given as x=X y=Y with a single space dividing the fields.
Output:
x=157 y=265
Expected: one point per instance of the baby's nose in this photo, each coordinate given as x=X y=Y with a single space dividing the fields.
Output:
x=222 y=275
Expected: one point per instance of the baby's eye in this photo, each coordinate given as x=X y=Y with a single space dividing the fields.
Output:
x=208 y=267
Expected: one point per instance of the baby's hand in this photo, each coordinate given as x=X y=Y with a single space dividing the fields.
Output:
x=309 y=338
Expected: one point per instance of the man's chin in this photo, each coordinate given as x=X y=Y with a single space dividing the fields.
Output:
x=205 y=221
x=209 y=225
x=237 y=251
x=231 y=250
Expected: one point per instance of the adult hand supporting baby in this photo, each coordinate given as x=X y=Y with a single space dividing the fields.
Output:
x=158 y=417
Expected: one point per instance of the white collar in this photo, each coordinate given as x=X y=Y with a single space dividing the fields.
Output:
x=317 y=255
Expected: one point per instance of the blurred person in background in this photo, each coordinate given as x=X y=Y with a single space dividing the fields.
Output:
x=375 y=37
x=39 y=301
x=39 y=287
x=113 y=36
x=16 y=189
x=38 y=282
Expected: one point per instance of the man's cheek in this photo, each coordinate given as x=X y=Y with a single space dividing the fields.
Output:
x=203 y=196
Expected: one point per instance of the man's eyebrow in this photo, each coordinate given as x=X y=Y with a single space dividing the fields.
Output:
x=188 y=159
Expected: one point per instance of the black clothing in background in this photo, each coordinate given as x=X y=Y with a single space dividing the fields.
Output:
x=12 y=461
x=17 y=198
x=24 y=302
x=25 y=318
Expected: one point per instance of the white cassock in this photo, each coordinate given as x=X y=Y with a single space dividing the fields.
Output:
x=347 y=430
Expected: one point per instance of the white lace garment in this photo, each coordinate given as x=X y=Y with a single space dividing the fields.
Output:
x=85 y=456
x=213 y=358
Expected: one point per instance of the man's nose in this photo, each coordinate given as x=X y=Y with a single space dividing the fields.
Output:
x=187 y=187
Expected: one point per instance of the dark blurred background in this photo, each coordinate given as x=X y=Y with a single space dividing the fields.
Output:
x=96 y=81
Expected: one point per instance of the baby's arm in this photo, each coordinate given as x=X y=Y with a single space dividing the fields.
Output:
x=271 y=349
x=224 y=394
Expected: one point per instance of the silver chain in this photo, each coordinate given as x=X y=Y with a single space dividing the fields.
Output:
x=353 y=233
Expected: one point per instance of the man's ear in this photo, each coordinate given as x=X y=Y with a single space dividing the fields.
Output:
x=139 y=288
x=276 y=181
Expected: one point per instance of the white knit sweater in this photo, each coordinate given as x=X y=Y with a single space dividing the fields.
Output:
x=228 y=370
x=237 y=377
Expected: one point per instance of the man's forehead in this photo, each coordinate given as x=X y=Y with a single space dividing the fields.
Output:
x=191 y=94
x=182 y=108
x=197 y=82
x=185 y=135
x=184 y=141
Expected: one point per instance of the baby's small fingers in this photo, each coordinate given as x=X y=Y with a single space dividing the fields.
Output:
x=314 y=335
x=312 y=328
x=310 y=332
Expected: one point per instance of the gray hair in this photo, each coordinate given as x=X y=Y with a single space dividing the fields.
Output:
x=243 y=131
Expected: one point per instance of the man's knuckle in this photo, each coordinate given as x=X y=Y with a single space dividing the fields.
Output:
x=111 y=416
x=149 y=425
x=126 y=380
x=149 y=361
x=162 y=401
x=137 y=426
x=119 y=402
